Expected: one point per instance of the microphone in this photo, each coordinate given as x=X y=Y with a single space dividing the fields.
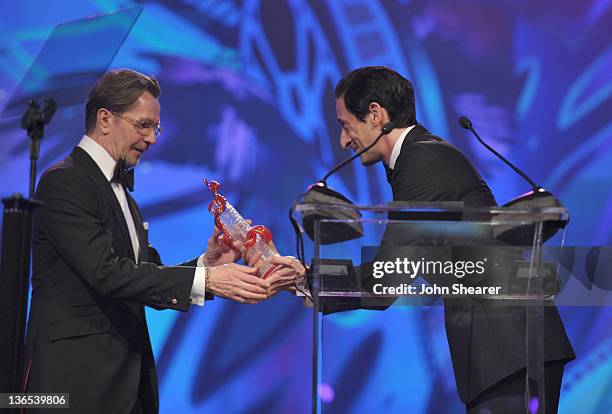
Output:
x=346 y=227
x=538 y=197
x=388 y=127
x=467 y=124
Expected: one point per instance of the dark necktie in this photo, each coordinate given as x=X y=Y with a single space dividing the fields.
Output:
x=122 y=175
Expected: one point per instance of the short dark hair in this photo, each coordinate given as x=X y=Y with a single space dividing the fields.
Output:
x=116 y=91
x=379 y=84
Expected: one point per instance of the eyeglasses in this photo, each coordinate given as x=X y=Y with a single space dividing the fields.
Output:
x=143 y=127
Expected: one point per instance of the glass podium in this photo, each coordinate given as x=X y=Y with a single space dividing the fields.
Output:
x=385 y=279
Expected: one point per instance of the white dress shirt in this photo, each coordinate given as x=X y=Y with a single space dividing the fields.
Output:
x=106 y=163
x=397 y=148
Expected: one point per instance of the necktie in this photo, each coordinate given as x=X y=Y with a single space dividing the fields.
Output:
x=123 y=175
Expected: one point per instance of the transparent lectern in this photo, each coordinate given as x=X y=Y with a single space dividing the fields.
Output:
x=381 y=277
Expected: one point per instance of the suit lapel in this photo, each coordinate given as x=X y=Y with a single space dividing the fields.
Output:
x=140 y=232
x=96 y=175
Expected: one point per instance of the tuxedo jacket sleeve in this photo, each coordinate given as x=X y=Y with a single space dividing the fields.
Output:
x=152 y=255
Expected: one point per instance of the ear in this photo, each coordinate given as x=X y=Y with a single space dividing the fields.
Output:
x=104 y=120
x=378 y=115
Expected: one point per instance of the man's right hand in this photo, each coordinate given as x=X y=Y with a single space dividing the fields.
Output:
x=237 y=282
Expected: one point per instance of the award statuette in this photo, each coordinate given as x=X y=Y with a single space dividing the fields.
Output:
x=235 y=229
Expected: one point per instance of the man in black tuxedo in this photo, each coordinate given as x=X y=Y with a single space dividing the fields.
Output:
x=486 y=341
x=93 y=268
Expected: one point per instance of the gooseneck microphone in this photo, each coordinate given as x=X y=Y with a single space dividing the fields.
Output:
x=538 y=198
x=388 y=127
x=467 y=124
x=344 y=223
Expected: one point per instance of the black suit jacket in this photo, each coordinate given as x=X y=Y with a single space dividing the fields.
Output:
x=87 y=332
x=486 y=341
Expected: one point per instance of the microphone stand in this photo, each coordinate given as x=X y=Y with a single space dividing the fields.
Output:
x=34 y=121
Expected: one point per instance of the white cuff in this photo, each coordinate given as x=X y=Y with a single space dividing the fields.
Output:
x=198 y=290
x=200 y=261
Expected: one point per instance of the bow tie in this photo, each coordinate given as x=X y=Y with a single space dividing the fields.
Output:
x=122 y=175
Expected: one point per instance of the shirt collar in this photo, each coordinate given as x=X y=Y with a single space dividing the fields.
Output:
x=398 y=147
x=105 y=162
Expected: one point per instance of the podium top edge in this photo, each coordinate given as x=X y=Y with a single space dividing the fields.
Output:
x=430 y=208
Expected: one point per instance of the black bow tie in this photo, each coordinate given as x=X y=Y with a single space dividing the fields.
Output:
x=122 y=175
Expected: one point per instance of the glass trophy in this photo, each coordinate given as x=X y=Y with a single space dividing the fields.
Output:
x=236 y=230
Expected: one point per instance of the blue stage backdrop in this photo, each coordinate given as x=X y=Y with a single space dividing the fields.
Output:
x=247 y=99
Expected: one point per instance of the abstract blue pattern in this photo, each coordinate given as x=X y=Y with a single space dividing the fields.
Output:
x=247 y=99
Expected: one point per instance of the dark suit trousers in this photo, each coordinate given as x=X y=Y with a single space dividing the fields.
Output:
x=508 y=395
